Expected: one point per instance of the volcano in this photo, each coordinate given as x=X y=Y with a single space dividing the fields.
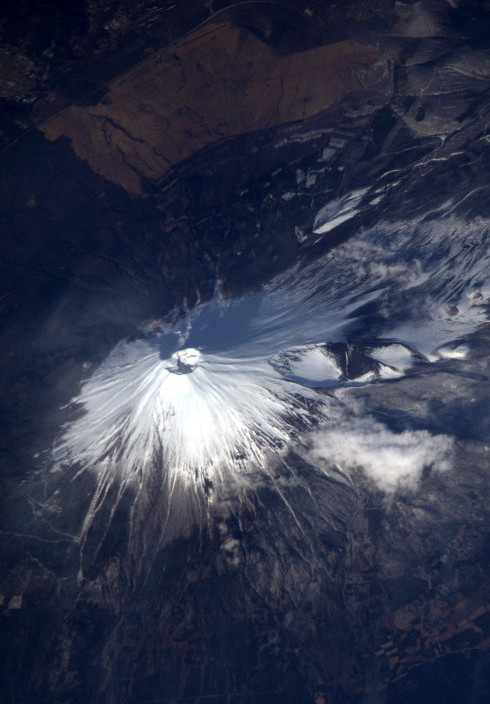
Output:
x=245 y=373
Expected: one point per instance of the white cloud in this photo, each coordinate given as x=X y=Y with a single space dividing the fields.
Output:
x=390 y=459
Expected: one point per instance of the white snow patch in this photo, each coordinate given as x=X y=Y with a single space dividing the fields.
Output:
x=310 y=364
x=453 y=352
x=397 y=356
x=337 y=212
